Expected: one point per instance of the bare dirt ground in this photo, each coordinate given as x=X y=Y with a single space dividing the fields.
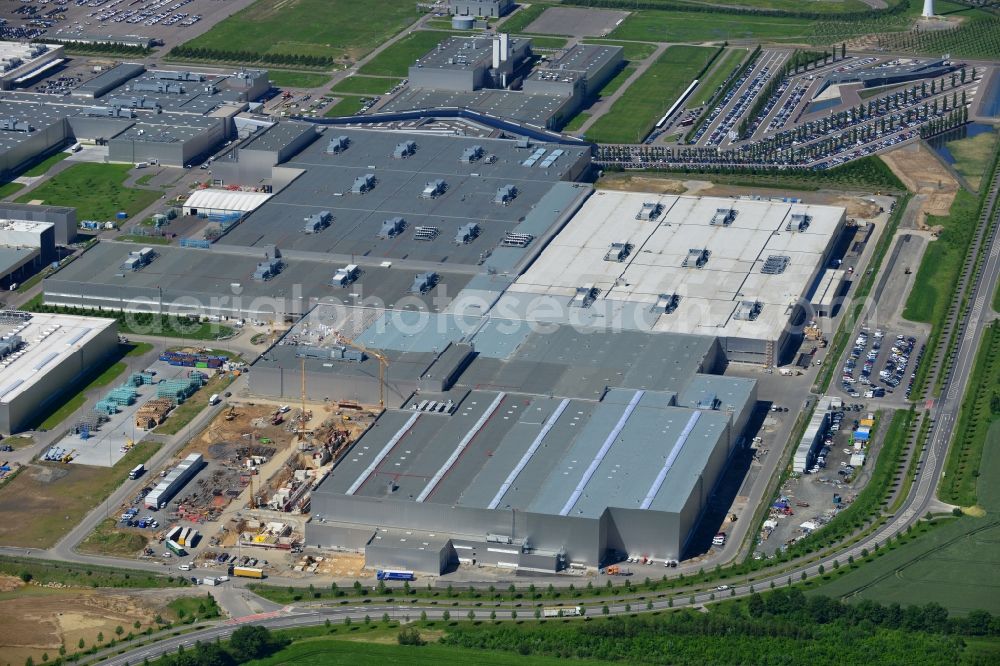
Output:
x=38 y=620
x=923 y=174
x=343 y=565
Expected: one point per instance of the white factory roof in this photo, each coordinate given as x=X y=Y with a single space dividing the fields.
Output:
x=48 y=339
x=228 y=200
x=710 y=295
x=24 y=225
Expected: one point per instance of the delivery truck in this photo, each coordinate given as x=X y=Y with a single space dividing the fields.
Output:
x=559 y=611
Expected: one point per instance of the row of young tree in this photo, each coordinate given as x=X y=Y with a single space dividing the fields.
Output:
x=783 y=626
x=724 y=8
x=252 y=57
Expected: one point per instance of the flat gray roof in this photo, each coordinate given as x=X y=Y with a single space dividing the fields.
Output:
x=278 y=135
x=587 y=59
x=510 y=462
x=357 y=218
x=512 y=104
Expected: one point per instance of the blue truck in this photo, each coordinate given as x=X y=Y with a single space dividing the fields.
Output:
x=393 y=574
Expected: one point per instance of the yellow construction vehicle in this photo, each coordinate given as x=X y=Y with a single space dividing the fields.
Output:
x=231 y=414
x=383 y=364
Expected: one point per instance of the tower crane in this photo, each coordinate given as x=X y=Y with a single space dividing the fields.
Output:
x=383 y=364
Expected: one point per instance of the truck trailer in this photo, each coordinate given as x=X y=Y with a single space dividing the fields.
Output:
x=247 y=572
x=394 y=574
x=559 y=611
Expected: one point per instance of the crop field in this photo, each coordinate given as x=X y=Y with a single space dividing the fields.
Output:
x=323 y=28
x=724 y=66
x=57 y=497
x=396 y=60
x=642 y=104
x=95 y=190
x=954 y=564
x=365 y=85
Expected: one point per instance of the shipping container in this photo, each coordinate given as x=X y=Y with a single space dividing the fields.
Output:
x=248 y=572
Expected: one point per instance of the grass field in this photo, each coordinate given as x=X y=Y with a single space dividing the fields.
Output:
x=973 y=156
x=723 y=67
x=396 y=60
x=365 y=85
x=977 y=424
x=201 y=607
x=576 y=122
x=331 y=28
x=523 y=17
x=942 y=262
x=630 y=119
x=673 y=26
x=73 y=401
x=84 y=575
x=546 y=42
x=631 y=51
x=190 y=408
x=347 y=106
x=57 y=497
x=286 y=79
x=822 y=7
x=42 y=167
x=8 y=189
x=95 y=190
x=108 y=539
x=320 y=651
x=954 y=564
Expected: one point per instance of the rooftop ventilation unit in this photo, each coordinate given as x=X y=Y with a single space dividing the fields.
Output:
x=748 y=310
x=178 y=76
x=723 y=217
x=471 y=154
x=338 y=144
x=434 y=189
x=363 y=183
x=158 y=87
x=345 y=276
x=317 y=222
x=425 y=233
x=583 y=297
x=696 y=258
x=15 y=125
x=423 y=282
x=618 y=252
x=113 y=111
x=134 y=103
x=649 y=211
x=336 y=353
x=392 y=228
x=775 y=264
x=666 y=303
x=404 y=149
x=467 y=233
x=137 y=259
x=267 y=270
x=798 y=222
x=505 y=194
x=709 y=401
x=516 y=239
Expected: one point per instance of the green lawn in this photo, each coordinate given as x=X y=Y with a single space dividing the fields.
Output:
x=721 y=71
x=954 y=564
x=357 y=653
x=73 y=402
x=202 y=607
x=546 y=42
x=978 y=425
x=286 y=79
x=632 y=51
x=673 y=26
x=523 y=17
x=84 y=575
x=348 y=106
x=325 y=28
x=632 y=117
x=42 y=167
x=365 y=85
x=7 y=189
x=617 y=81
x=95 y=190
x=576 y=122
x=396 y=60
x=941 y=266
x=973 y=156
x=819 y=7
x=108 y=539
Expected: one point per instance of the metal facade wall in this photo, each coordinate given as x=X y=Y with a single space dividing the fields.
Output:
x=432 y=559
x=446 y=79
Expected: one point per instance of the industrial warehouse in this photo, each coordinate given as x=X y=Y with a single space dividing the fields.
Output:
x=42 y=355
x=599 y=446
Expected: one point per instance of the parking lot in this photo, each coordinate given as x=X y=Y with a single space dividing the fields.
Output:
x=168 y=21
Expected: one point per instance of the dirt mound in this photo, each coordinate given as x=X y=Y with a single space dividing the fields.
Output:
x=922 y=173
x=9 y=583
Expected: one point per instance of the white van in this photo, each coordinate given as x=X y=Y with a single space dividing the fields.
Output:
x=214 y=400
x=184 y=567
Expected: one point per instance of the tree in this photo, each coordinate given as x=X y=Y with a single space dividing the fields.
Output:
x=471 y=614
x=493 y=615
x=26 y=576
x=605 y=610
x=410 y=636
x=538 y=613
x=513 y=615
x=385 y=618
x=81 y=644
x=100 y=637
x=119 y=630
x=136 y=624
x=423 y=616
x=446 y=616
x=253 y=642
